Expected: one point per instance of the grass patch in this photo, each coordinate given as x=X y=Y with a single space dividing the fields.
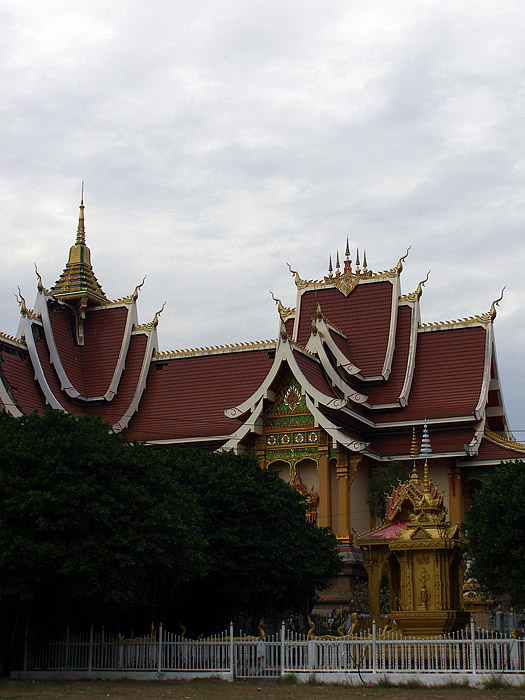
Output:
x=288 y=679
x=495 y=682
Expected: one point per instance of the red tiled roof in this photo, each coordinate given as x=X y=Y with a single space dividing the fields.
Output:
x=50 y=374
x=491 y=450
x=313 y=372
x=62 y=325
x=89 y=367
x=16 y=367
x=447 y=377
x=442 y=438
x=112 y=411
x=388 y=391
x=363 y=316
x=186 y=397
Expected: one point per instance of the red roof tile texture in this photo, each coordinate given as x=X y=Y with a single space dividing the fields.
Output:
x=448 y=375
x=89 y=367
x=363 y=316
x=442 y=439
x=388 y=391
x=490 y=450
x=186 y=397
x=313 y=373
x=18 y=375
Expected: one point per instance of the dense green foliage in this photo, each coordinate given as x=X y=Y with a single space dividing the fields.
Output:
x=382 y=480
x=262 y=554
x=86 y=516
x=495 y=530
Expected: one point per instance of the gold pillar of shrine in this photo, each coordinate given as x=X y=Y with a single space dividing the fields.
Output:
x=455 y=495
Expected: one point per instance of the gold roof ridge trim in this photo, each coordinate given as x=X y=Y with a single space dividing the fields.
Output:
x=484 y=318
x=214 y=348
x=507 y=442
x=12 y=338
x=348 y=280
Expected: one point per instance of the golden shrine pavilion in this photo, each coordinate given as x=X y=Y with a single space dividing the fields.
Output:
x=352 y=372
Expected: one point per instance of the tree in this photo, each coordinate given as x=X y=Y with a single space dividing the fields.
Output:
x=262 y=553
x=495 y=527
x=86 y=515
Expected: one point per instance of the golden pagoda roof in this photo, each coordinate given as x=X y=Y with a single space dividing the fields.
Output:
x=78 y=280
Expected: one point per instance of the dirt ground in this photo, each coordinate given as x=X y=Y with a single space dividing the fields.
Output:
x=240 y=690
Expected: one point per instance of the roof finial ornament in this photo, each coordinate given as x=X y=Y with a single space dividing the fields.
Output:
x=414 y=454
x=347 y=250
x=155 y=321
x=283 y=311
x=20 y=299
x=330 y=268
x=401 y=260
x=357 y=263
x=298 y=281
x=40 y=285
x=419 y=290
x=135 y=294
x=365 y=266
x=348 y=262
x=496 y=303
x=337 y=265
x=81 y=231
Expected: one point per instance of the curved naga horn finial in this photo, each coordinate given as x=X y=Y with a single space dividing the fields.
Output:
x=401 y=260
x=496 y=303
x=20 y=299
x=135 y=294
x=298 y=281
x=419 y=290
x=40 y=284
x=156 y=317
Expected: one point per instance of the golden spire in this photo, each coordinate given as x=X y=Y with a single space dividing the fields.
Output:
x=365 y=266
x=357 y=263
x=330 y=268
x=347 y=250
x=337 y=265
x=78 y=281
x=81 y=231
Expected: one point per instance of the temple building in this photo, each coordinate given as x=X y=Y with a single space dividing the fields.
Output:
x=352 y=373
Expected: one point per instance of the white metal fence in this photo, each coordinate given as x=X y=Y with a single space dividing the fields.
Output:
x=464 y=655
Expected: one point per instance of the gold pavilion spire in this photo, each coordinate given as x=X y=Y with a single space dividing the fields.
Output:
x=78 y=282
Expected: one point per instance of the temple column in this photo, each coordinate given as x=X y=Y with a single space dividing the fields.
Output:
x=325 y=493
x=455 y=495
x=346 y=468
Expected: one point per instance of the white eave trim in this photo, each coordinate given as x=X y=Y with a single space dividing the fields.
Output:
x=26 y=326
x=387 y=364
x=411 y=360
x=284 y=353
x=141 y=384
x=7 y=402
x=335 y=433
x=315 y=345
x=252 y=424
x=483 y=395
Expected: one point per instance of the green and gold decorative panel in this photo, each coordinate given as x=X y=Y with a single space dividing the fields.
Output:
x=290 y=434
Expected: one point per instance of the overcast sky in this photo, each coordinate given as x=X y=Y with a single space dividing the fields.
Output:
x=220 y=140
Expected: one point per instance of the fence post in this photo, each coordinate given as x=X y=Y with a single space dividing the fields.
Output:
x=374 y=647
x=231 y=652
x=283 y=634
x=68 y=650
x=90 y=656
x=26 y=641
x=472 y=646
x=159 y=652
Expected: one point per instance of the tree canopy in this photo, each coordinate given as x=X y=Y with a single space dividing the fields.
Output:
x=382 y=480
x=495 y=528
x=87 y=516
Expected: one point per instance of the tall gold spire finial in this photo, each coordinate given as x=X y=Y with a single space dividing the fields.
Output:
x=414 y=454
x=347 y=249
x=81 y=231
x=330 y=268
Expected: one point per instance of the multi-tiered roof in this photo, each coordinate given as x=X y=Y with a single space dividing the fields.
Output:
x=369 y=370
